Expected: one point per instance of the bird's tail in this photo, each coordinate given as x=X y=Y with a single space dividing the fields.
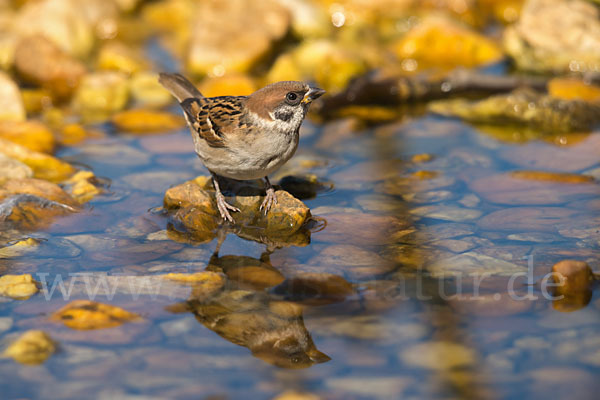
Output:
x=179 y=86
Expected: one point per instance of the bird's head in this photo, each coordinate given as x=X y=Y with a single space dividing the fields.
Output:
x=285 y=102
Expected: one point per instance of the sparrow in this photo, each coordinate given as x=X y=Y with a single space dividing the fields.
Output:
x=244 y=137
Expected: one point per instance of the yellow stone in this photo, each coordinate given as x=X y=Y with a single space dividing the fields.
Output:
x=224 y=41
x=284 y=68
x=228 y=85
x=31 y=348
x=62 y=21
x=331 y=64
x=422 y=174
x=52 y=69
x=571 y=89
x=147 y=121
x=43 y=165
x=438 y=355
x=421 y=158
x=205 y=276
x=72 y=134
x=204 y=284
x=19 y=287
x=81 y=186
x=442 y=43
x=11 y=102
x=295 y=395
x=169 y=15
x=552 y=176
x=102 y=92
x=31 y=134
x=87 y=315
x=17 y=249
x=146 y=90
x=8 y=45
x=507 y=11
x=119 y=56
x=36 y=100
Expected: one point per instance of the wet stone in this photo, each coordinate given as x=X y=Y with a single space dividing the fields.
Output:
x=101 y=93
x=524 y=108
x=472 y=264
x=407 y=185
x=433 y=196
x=446 y=213
x=296 y=395
x=535 y=237
x=378 y=387
x=31 y=348
x=569 y=89
x=375 y=229
x=194 y=206
x=573 y=276
x=11 y=168
x=534 y=187
x=5 y=324
x=43 y=166
x=37 y=187
x=86 y=315
x=460 y=245
x=379 y=203
x=20 y=287
x=141 y=121
x=304 y=187
x=155 y=181
x=438 y=355
x=31 y=134
x=490 y=305
x=544 y=156
x=110 y=153
x=526 y=219
x=19 y=248
x=368 y=171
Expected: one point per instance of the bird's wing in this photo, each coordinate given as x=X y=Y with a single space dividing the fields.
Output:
x=214 y=118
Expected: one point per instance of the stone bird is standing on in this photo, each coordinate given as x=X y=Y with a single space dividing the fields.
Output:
x=244 y=137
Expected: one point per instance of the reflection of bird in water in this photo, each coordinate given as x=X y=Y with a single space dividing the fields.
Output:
x=274 y=331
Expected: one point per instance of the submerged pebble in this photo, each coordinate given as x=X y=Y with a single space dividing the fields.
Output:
x=31 y=348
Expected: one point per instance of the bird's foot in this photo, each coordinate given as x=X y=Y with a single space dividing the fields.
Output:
x=223 y=207
x=270 y=199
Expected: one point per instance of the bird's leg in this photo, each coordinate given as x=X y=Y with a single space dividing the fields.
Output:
x=222 y=205
x=270 y=197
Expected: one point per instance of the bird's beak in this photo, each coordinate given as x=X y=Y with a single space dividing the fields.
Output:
x=312 y=94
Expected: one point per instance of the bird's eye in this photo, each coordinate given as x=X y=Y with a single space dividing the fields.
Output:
x=291 y=96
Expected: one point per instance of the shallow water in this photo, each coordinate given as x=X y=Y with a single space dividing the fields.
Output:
x=434 y=287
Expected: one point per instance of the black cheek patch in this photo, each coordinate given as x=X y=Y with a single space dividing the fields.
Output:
x=283 y=115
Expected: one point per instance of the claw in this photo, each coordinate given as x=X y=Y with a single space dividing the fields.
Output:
x=223 y=206
x=270 y=199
